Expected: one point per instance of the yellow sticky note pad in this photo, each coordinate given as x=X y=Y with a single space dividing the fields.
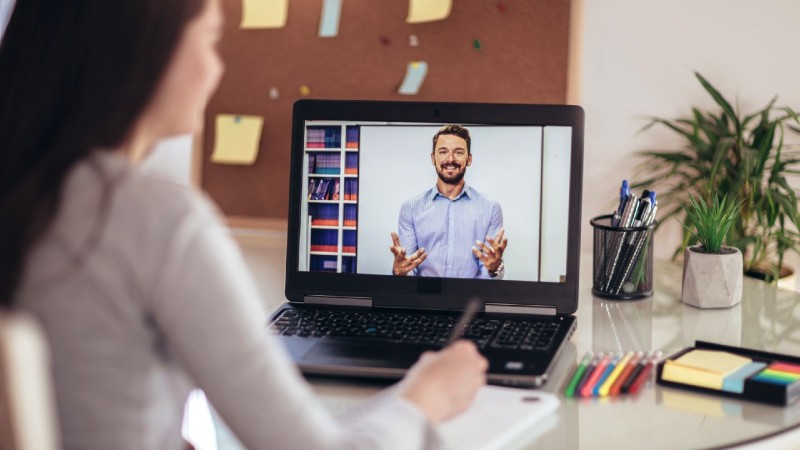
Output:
x=704 y=368
x=264 y=13
x=428 y=10
x=716 y=361
x=237 y=138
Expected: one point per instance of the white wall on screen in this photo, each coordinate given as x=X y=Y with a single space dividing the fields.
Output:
x=555 y=202
x=395 y=165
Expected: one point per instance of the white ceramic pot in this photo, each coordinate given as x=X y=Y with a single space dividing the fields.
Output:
x=712 y=280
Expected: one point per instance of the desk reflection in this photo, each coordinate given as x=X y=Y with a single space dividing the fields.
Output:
x=723 y=325
x=712 y=408
x=622 y=325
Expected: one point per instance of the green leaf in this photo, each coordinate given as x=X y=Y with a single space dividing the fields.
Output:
x=689 y=136
x=750 y=117
x=720 y=155
x=726 y=107
x=791 y=113
x=764 y=146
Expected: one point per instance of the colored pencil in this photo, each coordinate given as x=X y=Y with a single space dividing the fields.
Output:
x=606 y=387
x=645 y=373
x=626 y=373
x=587 y=358
x=609 y=368
x=588 y=373
x=635 y=373
x=586 y=391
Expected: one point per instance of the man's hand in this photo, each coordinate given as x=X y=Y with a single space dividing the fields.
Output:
x=402 y=263
x=491 y=253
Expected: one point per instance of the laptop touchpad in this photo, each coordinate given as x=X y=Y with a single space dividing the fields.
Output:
x=351 y=354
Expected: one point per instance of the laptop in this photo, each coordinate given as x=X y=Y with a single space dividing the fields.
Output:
x=363 y=170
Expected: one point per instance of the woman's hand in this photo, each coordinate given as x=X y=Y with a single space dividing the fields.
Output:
x=443 y=384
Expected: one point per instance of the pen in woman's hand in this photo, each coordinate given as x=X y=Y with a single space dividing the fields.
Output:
x=463 y=321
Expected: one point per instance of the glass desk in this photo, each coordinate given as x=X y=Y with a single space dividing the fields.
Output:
x=657 y=417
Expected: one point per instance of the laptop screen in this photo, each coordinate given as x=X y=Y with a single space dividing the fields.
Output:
x=374 y=187
x=426 y=204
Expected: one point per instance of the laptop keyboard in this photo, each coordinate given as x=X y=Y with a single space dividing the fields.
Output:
x=403 y=328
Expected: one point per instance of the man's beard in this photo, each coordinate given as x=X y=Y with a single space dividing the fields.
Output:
x=455 y=179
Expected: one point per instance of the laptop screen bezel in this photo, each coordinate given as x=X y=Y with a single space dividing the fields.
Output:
x=431 y=292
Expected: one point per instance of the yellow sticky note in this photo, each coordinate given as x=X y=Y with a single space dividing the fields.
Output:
x=714 y=361
x=236 y=140
x=264 y=13
x=428 y=10
x=704 y=368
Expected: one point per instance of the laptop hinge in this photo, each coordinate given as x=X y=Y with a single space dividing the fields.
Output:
x=537 y=310
x=337 y=301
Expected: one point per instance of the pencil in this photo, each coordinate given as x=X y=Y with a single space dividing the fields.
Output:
x=609 y=368
x=626 y=373
x=586 y=391
x=635 y=373
x=578 y=374
x=645 y=375
x=588 y=373
x=606 y=387
x=464 y=320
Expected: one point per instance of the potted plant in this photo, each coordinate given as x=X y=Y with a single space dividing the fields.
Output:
x=743 y=157
x=712 y=272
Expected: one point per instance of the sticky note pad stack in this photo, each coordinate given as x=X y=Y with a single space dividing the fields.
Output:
x=734 y=372
x=704 y=368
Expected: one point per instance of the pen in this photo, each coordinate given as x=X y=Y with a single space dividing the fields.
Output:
x=644 y=209
x=635 y=248
x=645 y=373
x=606 y=387
x=463 y=321
x=609 y=368
x=630 y=211
x=624 y=222
x=579 y=371
x=586 y=390
x=626 y=373
x=623 y=198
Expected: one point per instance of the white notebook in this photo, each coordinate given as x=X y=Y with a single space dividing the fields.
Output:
x=498 y=417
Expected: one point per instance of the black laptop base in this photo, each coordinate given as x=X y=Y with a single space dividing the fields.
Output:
x=385 y=342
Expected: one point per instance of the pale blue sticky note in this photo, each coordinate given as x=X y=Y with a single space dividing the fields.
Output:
x=735 y=381
x=415 y=76
x=329 y=23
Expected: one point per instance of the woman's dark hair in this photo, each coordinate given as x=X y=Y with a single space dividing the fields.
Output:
x=75 y=75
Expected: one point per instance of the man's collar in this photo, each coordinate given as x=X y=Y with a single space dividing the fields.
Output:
x=466 y=191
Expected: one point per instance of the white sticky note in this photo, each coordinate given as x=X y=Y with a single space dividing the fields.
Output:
x=237 y=138
x=264 y=13
x=415 y=76
x=329 y=22
x=428 y=10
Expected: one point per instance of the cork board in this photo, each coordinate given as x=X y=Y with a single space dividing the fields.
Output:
x=526 y=55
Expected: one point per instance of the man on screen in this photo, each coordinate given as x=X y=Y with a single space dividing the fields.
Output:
x=447 y=230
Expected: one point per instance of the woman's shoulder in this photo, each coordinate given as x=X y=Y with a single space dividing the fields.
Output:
x=149 y=198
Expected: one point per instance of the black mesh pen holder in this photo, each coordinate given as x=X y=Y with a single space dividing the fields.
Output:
x=622 y=260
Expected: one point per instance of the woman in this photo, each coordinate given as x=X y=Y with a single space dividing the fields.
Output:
x=142 y=293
